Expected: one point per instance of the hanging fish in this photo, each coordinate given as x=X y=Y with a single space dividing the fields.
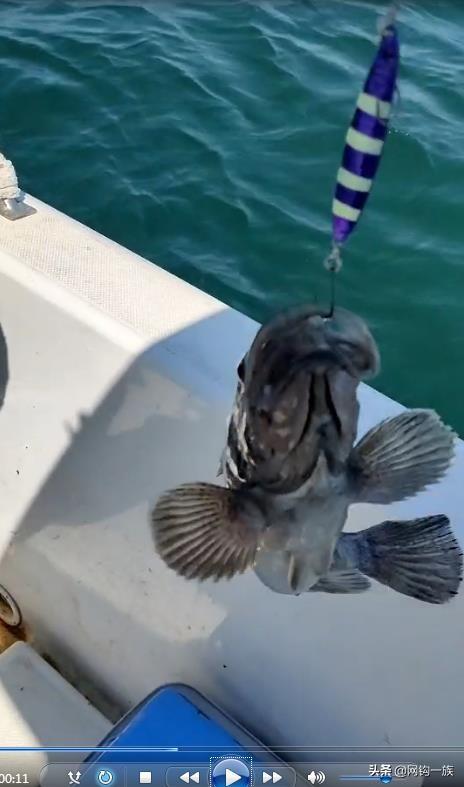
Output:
x=365 y=140
x=292 y=470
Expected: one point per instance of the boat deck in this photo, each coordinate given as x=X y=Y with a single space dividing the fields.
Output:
x=121 y=379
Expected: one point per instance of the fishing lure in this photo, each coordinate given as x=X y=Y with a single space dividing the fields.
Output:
x=365 y=140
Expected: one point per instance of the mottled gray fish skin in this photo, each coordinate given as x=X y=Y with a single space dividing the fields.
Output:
x=297 y=399
x=292 y=471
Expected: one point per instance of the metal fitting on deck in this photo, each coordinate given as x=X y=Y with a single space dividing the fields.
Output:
x=12 y=205
x=10 y=614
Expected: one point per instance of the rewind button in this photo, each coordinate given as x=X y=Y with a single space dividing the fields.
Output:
x=198 y=776
x=188 y=777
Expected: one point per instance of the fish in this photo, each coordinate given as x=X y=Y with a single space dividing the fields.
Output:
x=292 y=468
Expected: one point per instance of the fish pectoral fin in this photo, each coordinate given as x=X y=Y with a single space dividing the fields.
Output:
x=349 y=581
x=205 y=531
x=419 y=558
x=400 y=457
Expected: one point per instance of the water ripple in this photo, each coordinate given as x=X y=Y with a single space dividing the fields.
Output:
x=206 y=136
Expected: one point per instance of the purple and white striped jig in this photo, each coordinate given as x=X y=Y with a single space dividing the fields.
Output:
x=365 y=140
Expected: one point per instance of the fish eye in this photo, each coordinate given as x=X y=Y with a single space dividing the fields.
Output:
x=357 y=355
x=241 y=370
x=344 y=344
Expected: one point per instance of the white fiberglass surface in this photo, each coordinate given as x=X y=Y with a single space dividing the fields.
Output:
x=40 y=709
x=78 y=557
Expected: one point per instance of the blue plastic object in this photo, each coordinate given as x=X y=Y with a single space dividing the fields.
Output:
x=180 y=718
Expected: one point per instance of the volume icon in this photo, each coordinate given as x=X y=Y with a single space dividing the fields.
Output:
x=316 y=778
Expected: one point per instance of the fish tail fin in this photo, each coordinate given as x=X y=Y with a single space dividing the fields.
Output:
x=419 y=558
x=204 y=531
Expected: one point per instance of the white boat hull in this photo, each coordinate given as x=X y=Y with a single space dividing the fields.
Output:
x=150 y=363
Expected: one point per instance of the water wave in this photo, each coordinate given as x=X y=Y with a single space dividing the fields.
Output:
x=206 y=134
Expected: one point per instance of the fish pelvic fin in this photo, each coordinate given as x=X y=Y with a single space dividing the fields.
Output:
x=400 y=457
x=419 y=558
x=203 y=531
x=349 y=581
x=301 y=575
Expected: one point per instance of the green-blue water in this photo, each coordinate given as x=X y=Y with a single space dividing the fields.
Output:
x=206 y=135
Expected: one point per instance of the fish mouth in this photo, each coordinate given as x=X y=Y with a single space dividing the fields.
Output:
x=323 y=425
x=329 y=374
x=317 y=362
x=321 y=360
x=304 y=408
x=322 y=365
x=331 y=406
x=324 y=430
x=321 y=407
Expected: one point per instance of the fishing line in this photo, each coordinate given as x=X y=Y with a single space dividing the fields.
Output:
x=333 y=283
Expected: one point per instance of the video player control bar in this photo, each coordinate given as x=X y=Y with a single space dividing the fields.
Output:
x=235 y=772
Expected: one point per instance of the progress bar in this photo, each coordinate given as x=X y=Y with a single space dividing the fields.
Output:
x=135 y=749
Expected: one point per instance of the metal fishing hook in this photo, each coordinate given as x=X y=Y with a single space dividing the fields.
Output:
x=333 y=264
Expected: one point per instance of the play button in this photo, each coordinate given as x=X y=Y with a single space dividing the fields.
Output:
x=228 y=772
